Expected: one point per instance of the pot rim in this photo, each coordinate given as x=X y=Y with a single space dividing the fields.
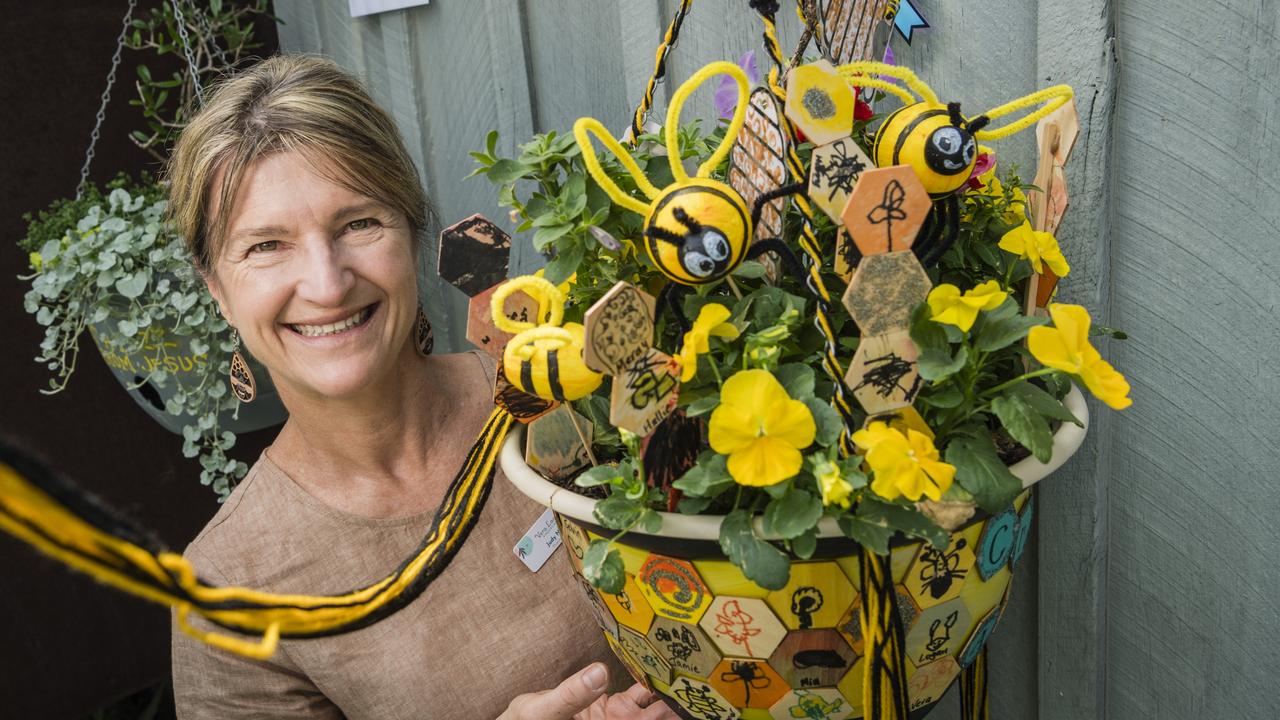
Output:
x=1066 y=441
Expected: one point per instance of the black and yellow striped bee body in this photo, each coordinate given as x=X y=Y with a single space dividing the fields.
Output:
x=934 y=140
x=696 y=232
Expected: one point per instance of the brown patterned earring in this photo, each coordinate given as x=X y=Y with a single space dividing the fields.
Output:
x=242 y=383
x=423 y=336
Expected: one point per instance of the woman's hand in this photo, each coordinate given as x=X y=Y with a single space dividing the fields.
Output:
x=637 y=703
x=581 y=697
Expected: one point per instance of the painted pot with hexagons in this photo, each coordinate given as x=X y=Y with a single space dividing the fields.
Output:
x=715 y=645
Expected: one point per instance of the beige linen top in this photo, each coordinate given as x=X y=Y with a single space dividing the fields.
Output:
x=485 y=631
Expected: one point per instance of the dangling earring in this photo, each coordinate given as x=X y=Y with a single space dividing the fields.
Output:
x=242 y=383
x=423 y=337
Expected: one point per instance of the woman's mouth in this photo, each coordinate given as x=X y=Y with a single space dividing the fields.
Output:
x=354 y=321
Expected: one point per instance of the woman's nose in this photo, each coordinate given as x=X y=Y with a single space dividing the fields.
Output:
x=325 y=275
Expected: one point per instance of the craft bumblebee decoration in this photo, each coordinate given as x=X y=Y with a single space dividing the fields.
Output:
x=696 y=230
x=543 y=359
x=938 y=142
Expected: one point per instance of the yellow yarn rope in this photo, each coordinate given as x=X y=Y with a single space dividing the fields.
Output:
x=32 y=515
x=550 y=303
x=808 y=242
x=659 y=69
x=974 y=703
x=884 y=682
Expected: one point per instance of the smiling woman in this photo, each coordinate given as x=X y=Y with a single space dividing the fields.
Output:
x=303 y=213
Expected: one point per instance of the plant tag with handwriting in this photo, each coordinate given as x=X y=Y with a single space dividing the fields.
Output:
x=538 y=542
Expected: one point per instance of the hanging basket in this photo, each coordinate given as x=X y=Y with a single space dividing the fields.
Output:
x=690 y=626
x=186 y=367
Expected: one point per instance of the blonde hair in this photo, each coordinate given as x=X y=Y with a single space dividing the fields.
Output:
x=286 y=103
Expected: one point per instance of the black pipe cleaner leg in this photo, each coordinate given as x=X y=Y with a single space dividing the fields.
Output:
x=779 y=248
x=770 y=196
x=671 y=296
x=950 y=232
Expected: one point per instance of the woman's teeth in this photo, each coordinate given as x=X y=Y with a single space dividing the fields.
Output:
x=333 y=328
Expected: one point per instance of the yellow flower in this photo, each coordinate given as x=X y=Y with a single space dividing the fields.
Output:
x=1066 y=347
x=903 y=464
x=1041 y=248
x=37 y=262
x=711 y=321
x=760 y=428
x=947 y=305
x=835 y=489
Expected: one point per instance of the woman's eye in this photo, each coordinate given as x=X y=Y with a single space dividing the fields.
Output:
x=265 y=246
x=361 y=224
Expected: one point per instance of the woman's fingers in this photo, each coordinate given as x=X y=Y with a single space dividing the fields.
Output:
x=567 y=699
x=638 y=703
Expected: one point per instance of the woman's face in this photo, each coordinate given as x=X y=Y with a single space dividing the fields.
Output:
x=319 y=280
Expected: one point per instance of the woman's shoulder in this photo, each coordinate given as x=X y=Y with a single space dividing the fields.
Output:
x=257 y=513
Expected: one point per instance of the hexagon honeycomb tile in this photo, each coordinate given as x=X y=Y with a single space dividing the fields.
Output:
x=637 y=672
x=742 y=627
x=748 y=682
x=926 y=685
x=685 y=647
x=673 y=588
x=981 y=633
x=816 y=596
x=884 y=375
x=819 y=102
x=938 y=575
x=1024 y=531
x=851 y=685
x=833 y=170
x=553 y=446
x=481 y=331
x=642 y=653
x=701 y=700
x=629 y=606
x=574 y=539
x=601 y=611
x=473 y=254
x=886 y=210
x=995 y=546
x=724 y=578
x=938 y=632
x=812 y=658
x=982 y=596
x=814 y=704
x=618 y=328
x=883 y=291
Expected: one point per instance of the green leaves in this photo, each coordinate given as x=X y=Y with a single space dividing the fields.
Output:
x=708 y=478
x=827 y=421
x=792 y=514
x=980 y=470
x=1003 y=326
x=936 y=361
x=1024 y=424
x=603 y=568
x=761 y=562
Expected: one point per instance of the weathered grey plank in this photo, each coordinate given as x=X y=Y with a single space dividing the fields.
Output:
x=1191 y=587
x=574 y=66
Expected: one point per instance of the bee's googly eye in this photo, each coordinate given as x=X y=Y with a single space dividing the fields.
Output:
x=698 y=264
x=947 y=140
x=716 y=245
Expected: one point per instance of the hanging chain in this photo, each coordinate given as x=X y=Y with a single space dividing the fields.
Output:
x=106 y=98
x=181 y=22
x=202 y=17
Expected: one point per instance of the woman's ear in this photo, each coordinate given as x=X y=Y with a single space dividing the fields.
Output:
x=215 y=289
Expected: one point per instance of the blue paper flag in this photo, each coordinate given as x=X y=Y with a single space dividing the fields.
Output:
x=908 y=20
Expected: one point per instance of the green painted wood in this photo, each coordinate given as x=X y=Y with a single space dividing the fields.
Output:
x=1192 y=584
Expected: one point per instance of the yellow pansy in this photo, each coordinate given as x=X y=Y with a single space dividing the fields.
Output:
x=760 y=428
x=948 y=305
x=1041 y=248
x=711 y=321
x=903 y=464
x=1066 y=347
x=835 y=489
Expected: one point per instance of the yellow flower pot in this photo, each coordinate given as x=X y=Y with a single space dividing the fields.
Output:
x=690 y=626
